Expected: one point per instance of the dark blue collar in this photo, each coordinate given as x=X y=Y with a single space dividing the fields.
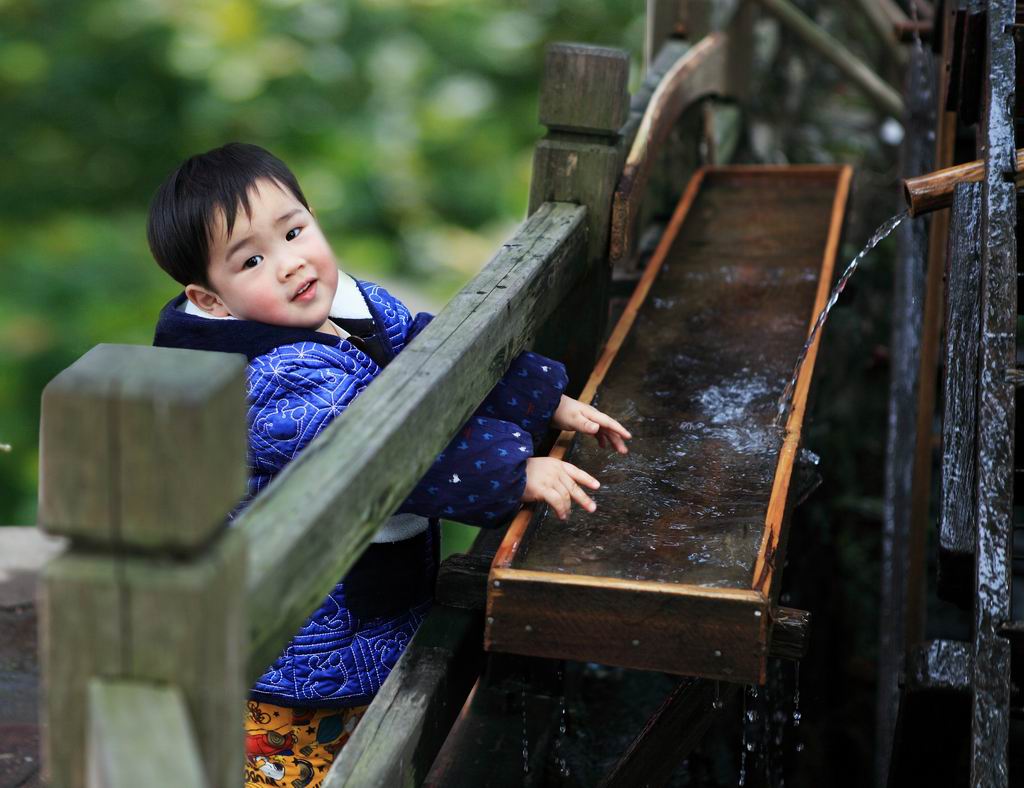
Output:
x=176 y=328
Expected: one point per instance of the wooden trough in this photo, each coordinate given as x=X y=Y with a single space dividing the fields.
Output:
x=678 y=570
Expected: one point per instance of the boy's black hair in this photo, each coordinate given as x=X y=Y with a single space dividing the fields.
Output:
x=183 y=210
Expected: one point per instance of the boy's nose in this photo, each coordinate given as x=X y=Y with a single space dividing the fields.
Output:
x=290 y=266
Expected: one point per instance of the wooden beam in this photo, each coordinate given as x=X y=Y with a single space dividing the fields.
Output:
x=939 y=665
x=401 y=733
x=314 y=520
x=584 y=103
x=990 y=701
x=699 y=72
x=791 y=633
x=463 y=583
x=960 y=403
x=584 y=89
x=916 y=155
x=144 y=453
x=147 y=619
x=502 y=736
x=873 y=86
x=931 y=331
x=933 y=191
x=140 y=735
x=125 y=430
x=671 y=733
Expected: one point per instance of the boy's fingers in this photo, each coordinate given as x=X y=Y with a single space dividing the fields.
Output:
x=581 y=476
x=607 y=422
x=581 y=497
x=558 y=498
x=617 y=443
x=615 y=427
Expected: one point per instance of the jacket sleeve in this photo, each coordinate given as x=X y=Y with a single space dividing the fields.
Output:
x=297 y=391
x=528 y=393
x=480 y=476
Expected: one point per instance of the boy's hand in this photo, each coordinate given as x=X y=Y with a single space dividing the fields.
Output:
x=557 y=483
x=572 y=414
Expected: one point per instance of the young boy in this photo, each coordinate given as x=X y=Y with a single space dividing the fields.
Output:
x=233 y=227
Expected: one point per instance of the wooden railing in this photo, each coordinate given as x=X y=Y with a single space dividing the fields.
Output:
x=159 y=615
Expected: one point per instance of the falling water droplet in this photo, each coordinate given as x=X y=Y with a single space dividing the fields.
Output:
x=526 y=740
x=797 y=715
x=717 y=704
x=743 y=744
x=563 y=726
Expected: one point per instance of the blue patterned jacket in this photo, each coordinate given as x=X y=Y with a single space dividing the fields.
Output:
x=298 y=381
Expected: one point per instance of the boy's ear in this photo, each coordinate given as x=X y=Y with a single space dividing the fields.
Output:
x=207 y=300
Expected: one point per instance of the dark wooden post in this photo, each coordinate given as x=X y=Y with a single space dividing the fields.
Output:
x=584 y=103
x=664 y=19
x=142 y=456
x=990 y=700
x=960 y=401
x=916 y=155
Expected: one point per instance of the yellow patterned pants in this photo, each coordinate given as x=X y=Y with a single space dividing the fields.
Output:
x=294 y=747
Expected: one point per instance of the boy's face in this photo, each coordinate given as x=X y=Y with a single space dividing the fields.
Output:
x=275 y=267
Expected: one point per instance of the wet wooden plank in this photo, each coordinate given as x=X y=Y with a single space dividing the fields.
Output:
x=990 y=702
x=959 y=422
x=671 y=733
x=690 y=525
x=486 y=745
x=715 y=633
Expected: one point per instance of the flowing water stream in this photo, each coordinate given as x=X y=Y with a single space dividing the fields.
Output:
x=881 y=234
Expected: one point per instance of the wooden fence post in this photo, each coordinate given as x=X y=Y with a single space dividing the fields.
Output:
x=584 y=103
x=142 y=455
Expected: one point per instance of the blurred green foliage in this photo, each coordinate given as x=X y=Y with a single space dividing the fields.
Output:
x=409 y=125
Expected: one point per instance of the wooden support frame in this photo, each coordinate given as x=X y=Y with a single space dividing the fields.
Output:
x=732 y=626
x=700 y=72
x=671 y=734
x=990 y=700
x=140 y=734
x=113 y=605
x=960 y=413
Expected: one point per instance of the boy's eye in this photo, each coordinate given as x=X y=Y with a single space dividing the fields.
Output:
x=293 y=233
x=253 y=261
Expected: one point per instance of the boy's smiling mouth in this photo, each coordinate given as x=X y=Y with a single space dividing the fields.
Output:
x=307 y=291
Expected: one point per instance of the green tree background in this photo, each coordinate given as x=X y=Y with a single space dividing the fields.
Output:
x=409 y=123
